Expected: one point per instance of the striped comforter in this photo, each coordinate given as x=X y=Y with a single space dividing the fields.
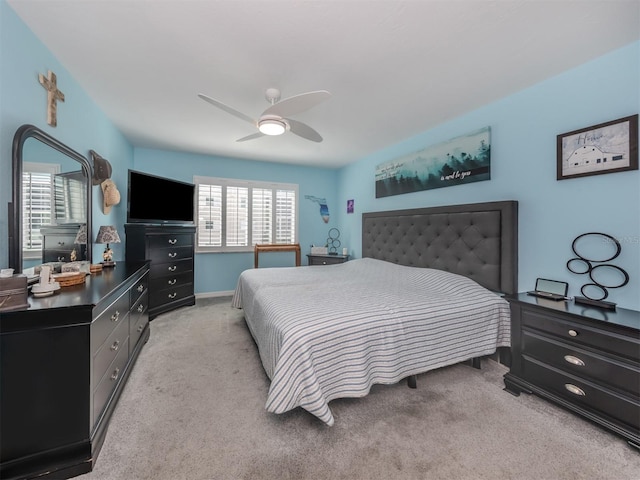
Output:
x=333 y=331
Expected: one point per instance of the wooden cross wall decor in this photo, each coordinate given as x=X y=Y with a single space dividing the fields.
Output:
x=53 y=95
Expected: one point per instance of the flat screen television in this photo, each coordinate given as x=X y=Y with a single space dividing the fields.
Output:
x=153 y=199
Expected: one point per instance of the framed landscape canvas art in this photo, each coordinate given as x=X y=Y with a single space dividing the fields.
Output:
x=463 y=159
x=604 y=148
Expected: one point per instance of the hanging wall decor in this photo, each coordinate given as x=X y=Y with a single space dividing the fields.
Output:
x=593 y=252
x=604 y=148
x=324 y=209
x=463 y=159
x=53 y=95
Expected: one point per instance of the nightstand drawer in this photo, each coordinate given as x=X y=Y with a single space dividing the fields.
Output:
x=327 y=259
x=582 y=392
x=620 y=375
x=596 y=338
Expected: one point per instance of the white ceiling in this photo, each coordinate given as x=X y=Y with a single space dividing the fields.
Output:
x=394 y=68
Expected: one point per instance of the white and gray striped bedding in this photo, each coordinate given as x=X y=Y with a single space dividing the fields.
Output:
x=333 y=331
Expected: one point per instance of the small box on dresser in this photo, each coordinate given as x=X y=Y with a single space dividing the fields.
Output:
x=582 y=358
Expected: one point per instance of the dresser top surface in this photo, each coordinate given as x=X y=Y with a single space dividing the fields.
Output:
x=620 y=316
x=88 y=294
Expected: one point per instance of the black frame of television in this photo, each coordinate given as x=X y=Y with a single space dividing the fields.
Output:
x=155 y=204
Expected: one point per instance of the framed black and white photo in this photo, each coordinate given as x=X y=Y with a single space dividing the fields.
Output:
x=604 y=148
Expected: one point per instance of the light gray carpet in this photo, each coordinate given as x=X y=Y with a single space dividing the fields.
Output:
x=194 y=409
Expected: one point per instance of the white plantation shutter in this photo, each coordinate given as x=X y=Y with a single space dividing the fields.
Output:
x=210 y=215
x=37 y=205
x=237 y=217
x=285 y=216
x=234 y=215
x=261 y=215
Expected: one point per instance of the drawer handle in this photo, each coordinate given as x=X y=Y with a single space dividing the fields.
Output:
x=141 y=308
x=61 y=243
x=173 y=241
x=140 y=288
x=173 y=268
x=173 y=254
x=140 y=328
x=574 y=360
x=573 y=333
x=115 y=346
x=575 y=390
x=115 y=316
x=114 y=375
x=172 y=295
x=172 y=282
x=61 y=259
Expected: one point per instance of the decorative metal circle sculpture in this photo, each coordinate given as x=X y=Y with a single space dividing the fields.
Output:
x=332 y=241
x=589 y=268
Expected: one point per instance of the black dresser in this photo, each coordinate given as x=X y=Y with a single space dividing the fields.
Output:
x=583 y=358
x=64 y=362
x=170 y=249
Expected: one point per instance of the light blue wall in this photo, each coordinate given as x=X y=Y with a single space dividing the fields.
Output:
x=524 y=127
x=81 y=124
x=216 y=272
x=523 y=130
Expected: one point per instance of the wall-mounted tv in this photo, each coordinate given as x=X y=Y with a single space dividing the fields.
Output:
x=153 y=199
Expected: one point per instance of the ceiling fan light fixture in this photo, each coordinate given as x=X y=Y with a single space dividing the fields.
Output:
x=272 y=127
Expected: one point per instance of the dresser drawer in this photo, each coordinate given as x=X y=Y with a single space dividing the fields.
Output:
x=582 y=363
x=109 y=350
x=139 y=289
x=171 y=281
x=136 y=326
x=171 y=254
x=108 y=320
x=110 y=380
x=171 y=268
x=160 y=297
x=170 y=240
x=581 y=334
x=584 y=393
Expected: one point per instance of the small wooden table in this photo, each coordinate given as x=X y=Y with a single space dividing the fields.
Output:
x=294 y=247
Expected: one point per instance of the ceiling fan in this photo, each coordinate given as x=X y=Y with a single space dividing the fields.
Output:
x=275 y=119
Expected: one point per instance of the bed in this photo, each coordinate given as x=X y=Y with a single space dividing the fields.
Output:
x=425 y=294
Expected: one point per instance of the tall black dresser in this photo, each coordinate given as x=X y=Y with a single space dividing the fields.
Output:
x=170 y=249
x=583 y=358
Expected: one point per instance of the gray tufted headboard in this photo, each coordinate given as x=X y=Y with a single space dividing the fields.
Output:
x=478 y=240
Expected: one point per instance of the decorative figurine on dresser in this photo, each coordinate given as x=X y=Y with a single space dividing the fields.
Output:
x=581 y=354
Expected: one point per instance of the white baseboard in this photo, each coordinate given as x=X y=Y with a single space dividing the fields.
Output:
x=228 y=293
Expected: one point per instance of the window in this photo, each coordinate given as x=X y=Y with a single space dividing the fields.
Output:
x=234 y=215
x=37 y=204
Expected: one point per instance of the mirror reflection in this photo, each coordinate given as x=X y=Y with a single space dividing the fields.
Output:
x=52 y=202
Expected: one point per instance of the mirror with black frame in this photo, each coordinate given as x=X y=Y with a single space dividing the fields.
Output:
x=51 y=196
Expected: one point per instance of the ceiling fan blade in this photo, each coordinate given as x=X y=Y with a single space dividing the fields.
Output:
x=227 y=109
x=303 y=130
x=251 y=137
x=297 y=103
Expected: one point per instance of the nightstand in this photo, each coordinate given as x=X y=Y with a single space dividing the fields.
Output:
x=582 y=358
x=316 y=259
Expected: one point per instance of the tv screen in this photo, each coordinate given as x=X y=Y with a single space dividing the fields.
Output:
x=153 y=199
